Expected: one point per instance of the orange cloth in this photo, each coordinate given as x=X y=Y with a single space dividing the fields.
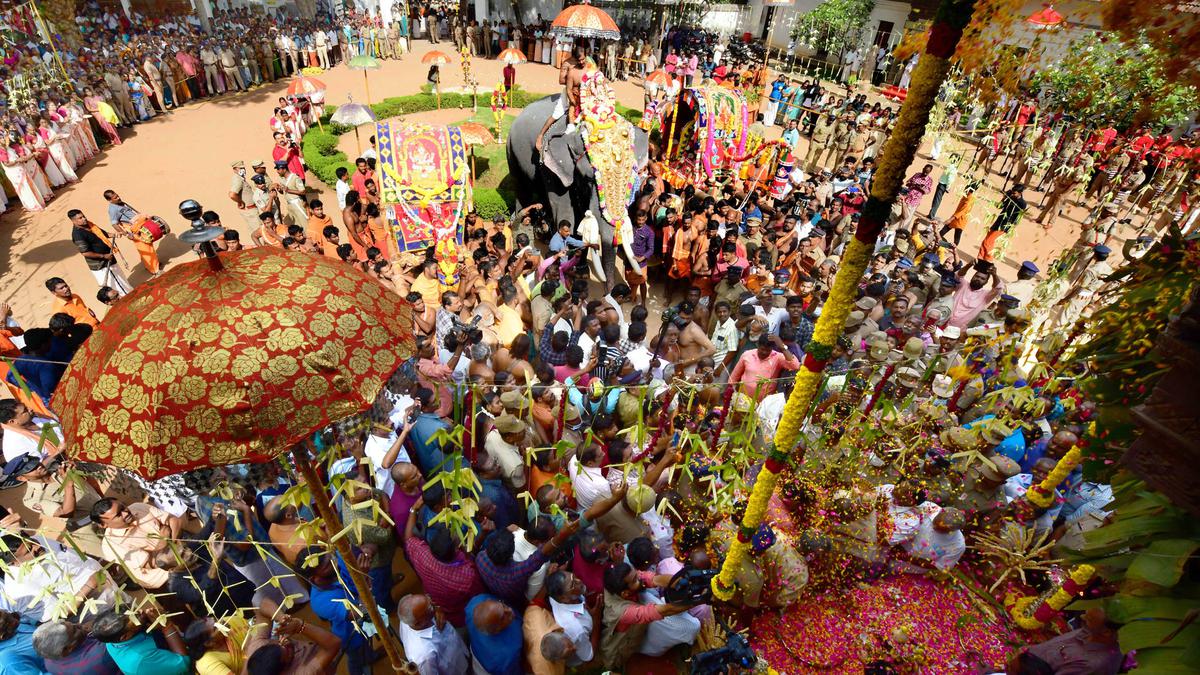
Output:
x=962 y=212
x=330 y=250
x=316 y=229
x=75 y=307
x=989 y=242
x=148 y=255
x=538 y=478
x=379 y=236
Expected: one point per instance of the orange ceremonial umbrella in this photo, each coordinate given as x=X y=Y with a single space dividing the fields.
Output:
x=583 y=20
x=436 y=58
x=1046 y=17
x=512 y=56
x=305 y=86
x=202 y=367
x=659 y=77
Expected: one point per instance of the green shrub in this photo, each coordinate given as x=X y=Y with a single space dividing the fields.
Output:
x=320 y=145
x=489 y=203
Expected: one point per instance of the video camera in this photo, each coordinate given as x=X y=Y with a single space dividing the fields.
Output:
x=690 y=586
x=736 y=653
x=469 y=333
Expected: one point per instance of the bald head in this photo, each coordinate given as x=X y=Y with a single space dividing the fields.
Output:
x=416 y=611
x=492 y=616
x=1062 y=442
x=404 y=473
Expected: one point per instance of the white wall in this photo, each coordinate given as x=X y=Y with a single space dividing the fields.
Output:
x=785 y=18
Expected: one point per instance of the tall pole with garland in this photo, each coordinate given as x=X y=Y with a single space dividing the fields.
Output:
x=947 y=29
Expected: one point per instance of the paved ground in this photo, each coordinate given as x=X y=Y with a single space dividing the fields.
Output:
x=187 y=154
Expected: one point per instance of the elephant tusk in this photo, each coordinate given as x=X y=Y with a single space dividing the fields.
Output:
x=630 y=258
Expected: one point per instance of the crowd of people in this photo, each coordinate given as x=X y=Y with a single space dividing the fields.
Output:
x=119 y=71
x=611 y=447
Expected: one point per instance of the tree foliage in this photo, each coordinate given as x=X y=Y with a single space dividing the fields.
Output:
x=834 y=26
x=1171 y=26
x=1111 y=79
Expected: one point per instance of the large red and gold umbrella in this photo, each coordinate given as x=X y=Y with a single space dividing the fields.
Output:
x=583 y=20
x=202 y=367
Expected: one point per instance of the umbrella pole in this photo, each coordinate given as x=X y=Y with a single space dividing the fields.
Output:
x=357 y=140
x=334 y=524
x=437 y=88
x=367 y=84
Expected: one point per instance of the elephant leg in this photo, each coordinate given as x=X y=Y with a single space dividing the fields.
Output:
x=608 y=259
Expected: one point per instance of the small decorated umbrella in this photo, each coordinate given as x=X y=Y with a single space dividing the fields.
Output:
x=310 y=88
x=513 y=56
x=659 y=77
x=473 y=134
x=354 y=114
x=437 y=58
x=584 y=20
x=233 y=359
x=1046 y=18
x=305 y=86
x=365 y=62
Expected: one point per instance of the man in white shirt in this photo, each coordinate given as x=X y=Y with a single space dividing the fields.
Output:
x=429 y=642
x=565 y=592
x=47 y=582
x=587 y=478
x=343 y=188
x=662 y=635
x=765 y=306
x=525 y=543
x=937 y=542
x=724 y=336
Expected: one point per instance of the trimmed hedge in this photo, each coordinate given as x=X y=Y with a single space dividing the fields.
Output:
x=321 y=154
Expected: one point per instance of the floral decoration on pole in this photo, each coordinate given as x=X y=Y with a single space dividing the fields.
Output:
x=499 y=105
x=944 y=35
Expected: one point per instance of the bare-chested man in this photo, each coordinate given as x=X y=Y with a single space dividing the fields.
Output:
x=570 y=76
x=694 y=345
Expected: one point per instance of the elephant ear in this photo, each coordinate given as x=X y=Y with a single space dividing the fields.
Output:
x=556 y=153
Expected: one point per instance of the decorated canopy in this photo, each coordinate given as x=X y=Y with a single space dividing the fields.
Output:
x=512 y=56
x=202 y=367
x=709 y=132
x=426 y=187
x=584 y=20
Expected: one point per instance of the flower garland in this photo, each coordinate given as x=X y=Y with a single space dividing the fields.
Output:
x=1032 y=612
x=609 y=141
x=898 y=153
x=1042 y=494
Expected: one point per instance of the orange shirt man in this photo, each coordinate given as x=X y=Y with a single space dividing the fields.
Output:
x=68 y=303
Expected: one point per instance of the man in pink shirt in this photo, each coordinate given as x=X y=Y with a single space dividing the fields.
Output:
x=761 y=367
x=625 y=618
x=971 y=298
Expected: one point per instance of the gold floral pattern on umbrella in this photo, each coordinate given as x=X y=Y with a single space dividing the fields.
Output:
x=584 y=20
x=202 y=367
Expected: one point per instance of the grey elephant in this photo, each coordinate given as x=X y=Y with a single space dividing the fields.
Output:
x=564 y=181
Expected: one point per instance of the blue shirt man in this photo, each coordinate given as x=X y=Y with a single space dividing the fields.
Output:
x=791 y=137
x=499 y=649
x=777 y=89
x=563 y=239
x=139 y=655
x=17 y=656
x=426 y=451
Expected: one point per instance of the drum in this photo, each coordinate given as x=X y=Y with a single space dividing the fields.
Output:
x=149 y=229
x=782 y=178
